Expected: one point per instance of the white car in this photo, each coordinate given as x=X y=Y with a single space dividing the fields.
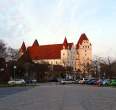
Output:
x=67 y=81
x=16 y=81
x=11 y=82
x=82 y=81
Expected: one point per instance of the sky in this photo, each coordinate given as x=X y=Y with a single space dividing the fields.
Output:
x=49 y=21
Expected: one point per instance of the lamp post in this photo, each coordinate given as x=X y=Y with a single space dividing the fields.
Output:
x=14 y=71
x=97 y=69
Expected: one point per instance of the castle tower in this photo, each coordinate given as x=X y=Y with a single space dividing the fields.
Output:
x=65 y=43
x=22 y=50
x=35 y=43
x=83 y=53
x=64 y=52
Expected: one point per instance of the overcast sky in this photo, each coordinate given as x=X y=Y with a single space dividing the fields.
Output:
x=49 y=21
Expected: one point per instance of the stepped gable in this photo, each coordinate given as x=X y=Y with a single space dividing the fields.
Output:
x=23 y=48
x=80 y=41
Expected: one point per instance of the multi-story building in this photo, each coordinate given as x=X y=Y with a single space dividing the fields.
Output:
x=65 y=54
x=83 y=53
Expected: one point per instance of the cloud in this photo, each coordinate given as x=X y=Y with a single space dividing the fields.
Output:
x=49 y=21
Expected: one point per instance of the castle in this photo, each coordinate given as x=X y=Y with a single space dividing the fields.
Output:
x=65 y=54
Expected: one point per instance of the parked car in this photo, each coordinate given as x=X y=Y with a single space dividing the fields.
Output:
x=86 y=82
x=113 y=82
x=31 y=81
x=99 y=82
x=76 y=81
x=16 y=81
x=106 y=82
x=82 y=81
x=11 y=82
x=53 y=80
x=91 y=82
x=69 y=81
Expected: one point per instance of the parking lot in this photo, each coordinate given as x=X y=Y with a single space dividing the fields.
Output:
x=52 y=96
x=4 y=92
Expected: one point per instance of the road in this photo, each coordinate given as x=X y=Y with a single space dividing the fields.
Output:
x=59 y=97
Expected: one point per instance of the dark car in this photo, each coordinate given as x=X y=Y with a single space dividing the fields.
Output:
x=86 y=82
x=53 y=80
x=99 y=82
x=33 y=81
x=91 y=82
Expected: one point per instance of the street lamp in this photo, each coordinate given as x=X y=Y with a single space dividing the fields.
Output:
x=97 y=69
x=14 y=71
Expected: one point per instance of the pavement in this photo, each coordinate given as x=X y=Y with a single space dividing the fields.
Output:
x=5 y=91
x=58 y=97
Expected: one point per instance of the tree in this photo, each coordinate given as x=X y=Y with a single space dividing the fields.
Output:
x=106 y=67
x=2 y=49
x=113 y=68
x=109 y=67
x=12 y=54
x=4 y=75
x=25 y=66
x=40 y=70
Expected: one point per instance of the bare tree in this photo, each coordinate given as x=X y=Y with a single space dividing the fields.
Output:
x=96 y=66
x=12 y=54
x=104 y=67
x=2 y=49
x=107 y=67
x=113 y=68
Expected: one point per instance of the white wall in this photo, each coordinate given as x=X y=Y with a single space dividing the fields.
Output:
x=84 y=55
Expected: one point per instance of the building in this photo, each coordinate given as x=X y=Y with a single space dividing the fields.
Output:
x=65 y=54
x=83 y=53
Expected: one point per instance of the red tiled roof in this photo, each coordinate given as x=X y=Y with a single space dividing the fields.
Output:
x=82 y=37
x=52 y=51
